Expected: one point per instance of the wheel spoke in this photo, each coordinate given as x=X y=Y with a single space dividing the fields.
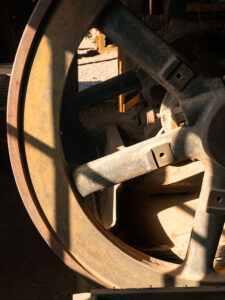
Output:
x=107 y=208
x=207 y=227
x=129 y=162
x=108 y=89
x=145 y=47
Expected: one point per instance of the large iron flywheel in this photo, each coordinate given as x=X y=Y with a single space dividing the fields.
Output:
x=168 y=222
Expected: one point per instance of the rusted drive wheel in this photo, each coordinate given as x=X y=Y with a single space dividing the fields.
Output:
x=46 y=147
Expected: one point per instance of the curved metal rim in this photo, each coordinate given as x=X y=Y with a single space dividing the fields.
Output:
x=13 y=132
x=19 y=165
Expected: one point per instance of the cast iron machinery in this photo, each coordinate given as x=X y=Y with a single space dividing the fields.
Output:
x=60 y=167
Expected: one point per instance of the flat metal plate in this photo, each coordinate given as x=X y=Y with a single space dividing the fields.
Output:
x=163 y=155
x=199 y=293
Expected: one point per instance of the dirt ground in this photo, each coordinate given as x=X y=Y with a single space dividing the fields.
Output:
x=29 y=268
x=94 y=68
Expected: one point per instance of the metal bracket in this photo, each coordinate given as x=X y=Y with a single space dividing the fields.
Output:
x=216 y=202
x=181 y=76
x=163 y=155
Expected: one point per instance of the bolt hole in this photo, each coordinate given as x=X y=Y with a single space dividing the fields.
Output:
x=162 y=155
x=179 y=76
x=219 y=199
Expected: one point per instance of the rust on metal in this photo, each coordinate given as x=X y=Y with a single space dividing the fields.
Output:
x=52 y=189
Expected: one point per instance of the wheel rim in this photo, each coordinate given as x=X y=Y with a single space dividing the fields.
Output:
x=37 y=158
